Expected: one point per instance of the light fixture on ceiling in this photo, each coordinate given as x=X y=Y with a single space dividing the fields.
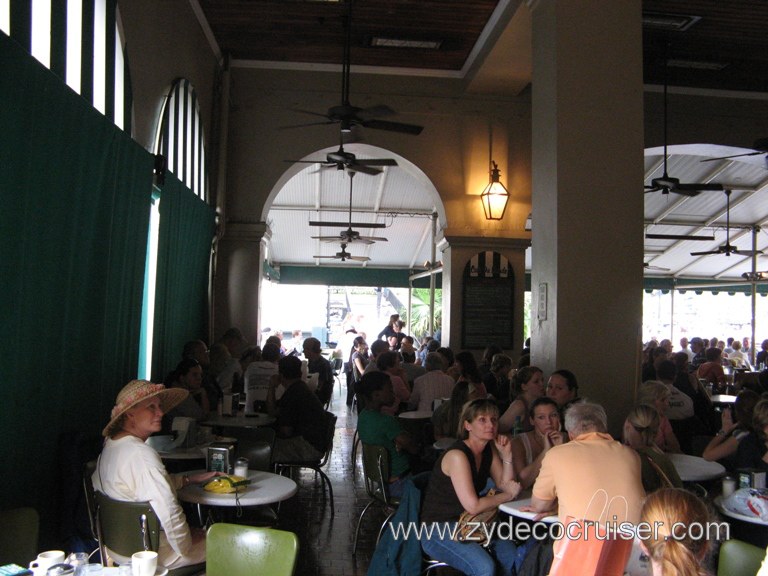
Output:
x=495 y=195
x=385 y=42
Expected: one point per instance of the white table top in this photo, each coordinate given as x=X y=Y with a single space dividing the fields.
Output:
x=695 y=469
x=513 y=508
x=240 y=421
x=265 y=488
x=736 y=515
x=416 y=415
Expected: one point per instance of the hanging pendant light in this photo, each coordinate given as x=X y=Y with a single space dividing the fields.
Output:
x=495 y=196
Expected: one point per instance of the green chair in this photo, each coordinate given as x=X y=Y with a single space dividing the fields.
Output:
x=19 y=537
x=235 y=550
x=124 y=528
x=738 y=558
x=376 y=472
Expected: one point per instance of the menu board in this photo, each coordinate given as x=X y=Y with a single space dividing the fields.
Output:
x=488 y=302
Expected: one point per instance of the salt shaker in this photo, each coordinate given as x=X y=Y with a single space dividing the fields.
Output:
x=729 y=486
x=241 y=467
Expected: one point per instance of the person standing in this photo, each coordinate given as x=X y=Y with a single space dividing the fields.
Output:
x=317 y=364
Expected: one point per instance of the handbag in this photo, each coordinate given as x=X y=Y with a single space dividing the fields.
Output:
x=592 y=552
x=474 y=527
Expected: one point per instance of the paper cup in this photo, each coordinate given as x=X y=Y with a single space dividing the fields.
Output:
x=144 y=563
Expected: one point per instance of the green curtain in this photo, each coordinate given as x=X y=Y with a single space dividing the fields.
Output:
x=187 y=227
x=74 y=213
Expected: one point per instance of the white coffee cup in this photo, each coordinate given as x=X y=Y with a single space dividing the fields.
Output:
x=144 y=563
x=47 y=559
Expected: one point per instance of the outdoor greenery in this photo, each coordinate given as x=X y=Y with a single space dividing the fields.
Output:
x=419 y=321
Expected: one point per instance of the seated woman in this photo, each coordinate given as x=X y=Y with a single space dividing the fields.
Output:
x=130 y=470
x=189 y=376
x=736 y=424
x=445 y=418
x=458 y=478
x=753 y=449
x=563 y=388
x=527 y=385
x=678 y=553
x=640 y=429
x=528 y=449
x=656 y=394
x=377 y=428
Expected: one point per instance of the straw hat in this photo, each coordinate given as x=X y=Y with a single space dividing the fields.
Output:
x=136 y=391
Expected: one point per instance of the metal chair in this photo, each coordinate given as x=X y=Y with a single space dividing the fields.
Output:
x=739 y=558
x=376 y=472
x=317 y=465
x=337 y=364
x=124 y=528
x=256 y=445
x=235 y=550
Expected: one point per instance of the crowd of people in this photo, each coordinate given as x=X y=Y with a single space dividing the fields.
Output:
x=509 y=428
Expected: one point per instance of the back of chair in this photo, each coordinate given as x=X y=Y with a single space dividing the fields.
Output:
x=236 y=550
x=376 y=470
x=337 y=365
x=739 y=558
x=126 y=527
x=90 y=495
x=330 y=430
x=19 y=538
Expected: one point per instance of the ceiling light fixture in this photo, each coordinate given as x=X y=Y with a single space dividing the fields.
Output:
x=383 y=42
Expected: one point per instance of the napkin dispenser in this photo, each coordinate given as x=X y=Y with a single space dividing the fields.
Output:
x=230 y=404
x=220 y=457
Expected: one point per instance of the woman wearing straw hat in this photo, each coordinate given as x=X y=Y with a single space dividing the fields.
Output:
x=129 y=469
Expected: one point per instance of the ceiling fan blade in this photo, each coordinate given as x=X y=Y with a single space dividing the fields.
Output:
x=733 y=156
x=707 y=253
x=372 y=239
x=699 y=187
x=355 y=167
x=331 y=257
x=358 y=258
x=304 y=125
x=649 y=189
x=393 y=126
x=346 y=224
x=680 y=237
x=328 y=238
x=741 y=252
x=376 y=161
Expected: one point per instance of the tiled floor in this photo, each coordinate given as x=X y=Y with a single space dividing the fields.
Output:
x=326 y=539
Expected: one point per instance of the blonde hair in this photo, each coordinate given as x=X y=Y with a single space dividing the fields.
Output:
x=652 y=390
x=645 y=419
x=676 y=551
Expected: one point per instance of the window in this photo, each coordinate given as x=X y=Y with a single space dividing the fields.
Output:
x=181 y=139
x=79 y=40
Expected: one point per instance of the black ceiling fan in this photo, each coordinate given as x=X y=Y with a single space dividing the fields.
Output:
x=342 y=159
x=344 y=255
x=349 y=236
x=728 y=248
x=760 y=146
x=666 y=183
x=347 y=115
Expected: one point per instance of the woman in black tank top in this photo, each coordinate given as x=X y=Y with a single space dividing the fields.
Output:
x=458 y=479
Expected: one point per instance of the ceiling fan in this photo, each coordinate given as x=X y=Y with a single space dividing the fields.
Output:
x=346 y=160
x=348 y=115
x=344 y=255
x=666 y=183
x=349 y=236
x=648 y=266
x=727 y=248
x=760 y=146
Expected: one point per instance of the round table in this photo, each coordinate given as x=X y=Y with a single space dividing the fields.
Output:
x=196 y=453
x=513 y=508
x=416 y=415
x=240 y=421
x=695 y=469
x=442 y=444
x=265 y=488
